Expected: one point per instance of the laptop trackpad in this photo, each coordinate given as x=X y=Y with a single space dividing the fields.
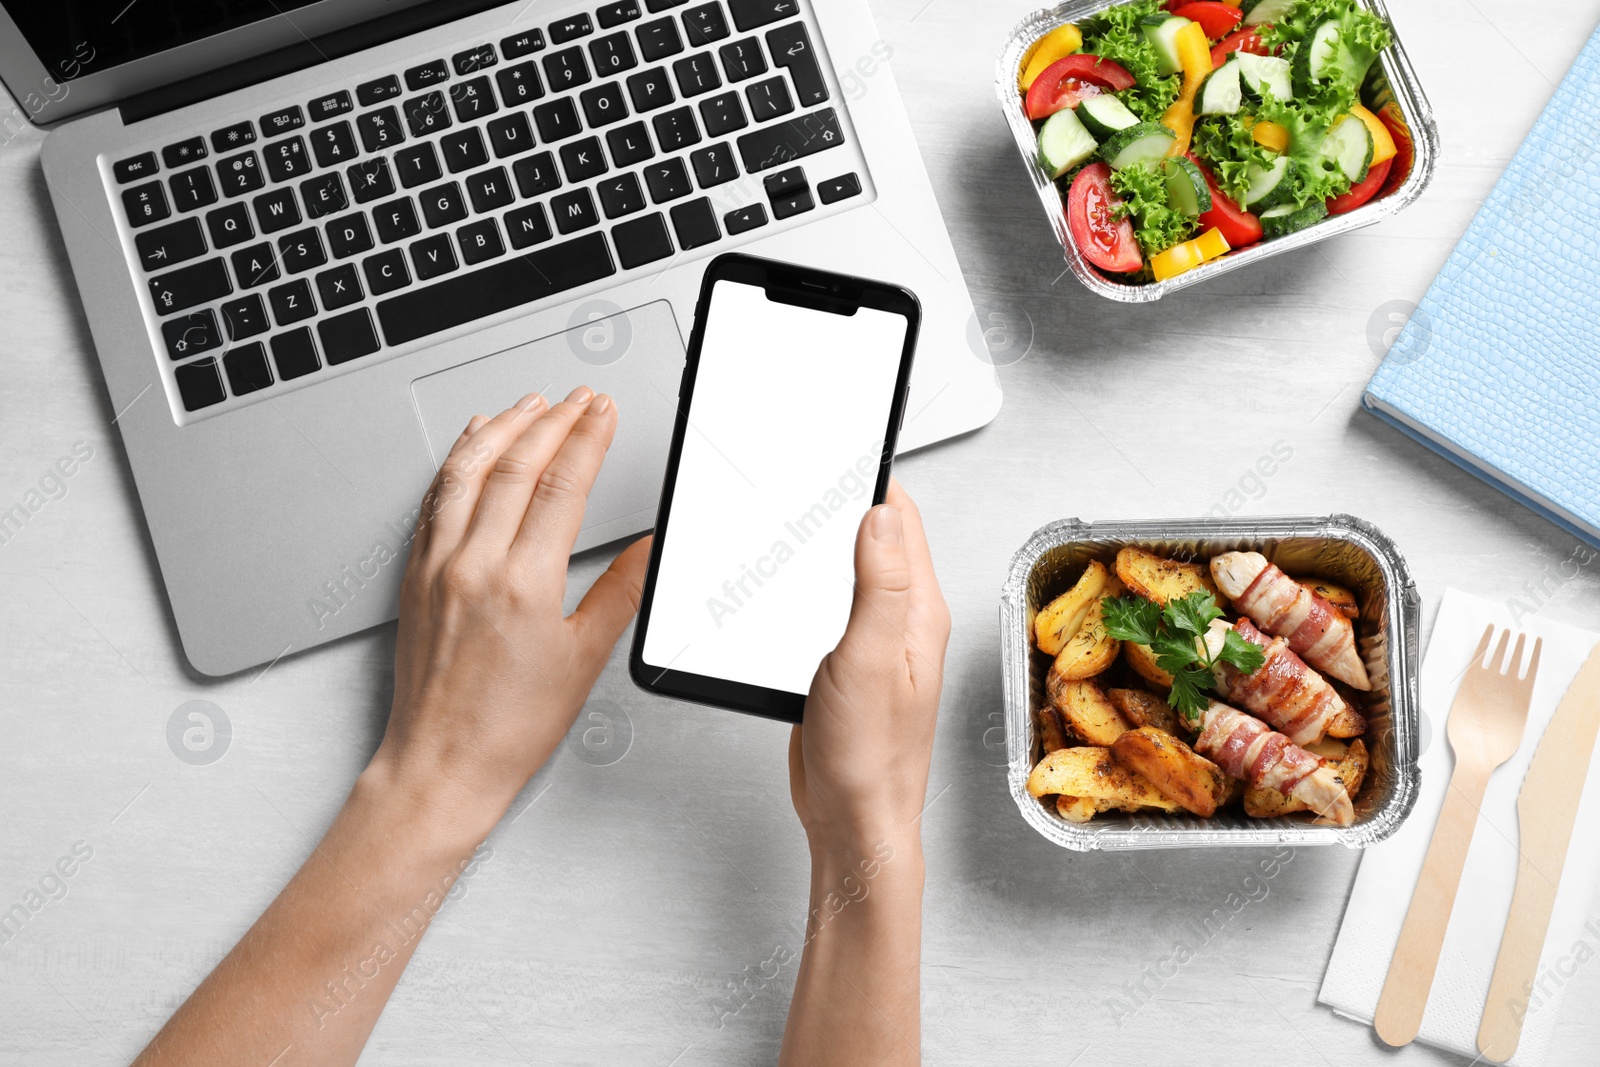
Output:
x=635 y=355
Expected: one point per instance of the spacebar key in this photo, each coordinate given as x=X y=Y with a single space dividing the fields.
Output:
x=491 y=290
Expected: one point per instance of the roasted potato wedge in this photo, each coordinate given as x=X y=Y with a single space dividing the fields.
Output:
x=1077 y=809
x=1092 y=774
x=1094 y=720
x=1052 y=731
x=1335 y=594
x=1063 y=617
x=1142 y=659
x=1350 y=770
x=1090 y=650
x=1141 y=708
x=1348 y=723
x=1177 y=771
x=1160 y=579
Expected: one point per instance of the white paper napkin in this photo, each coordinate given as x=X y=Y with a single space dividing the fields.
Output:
x=1389 y=870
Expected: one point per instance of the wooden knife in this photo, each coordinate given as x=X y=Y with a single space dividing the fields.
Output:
x=1547 y=807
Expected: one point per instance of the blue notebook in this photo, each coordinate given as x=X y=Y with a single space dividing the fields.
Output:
x=1498 y=369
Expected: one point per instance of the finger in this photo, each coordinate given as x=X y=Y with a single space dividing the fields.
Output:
x=928 y=619
x=424 y=523
x=553 y=517
x=465 y=469
x=514 y=476
x=883 y=585
x=797 y=768
x=609 y=605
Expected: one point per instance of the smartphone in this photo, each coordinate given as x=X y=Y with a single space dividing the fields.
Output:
x=790 y=405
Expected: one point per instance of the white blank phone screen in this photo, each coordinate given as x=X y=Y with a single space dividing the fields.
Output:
x=786 y=431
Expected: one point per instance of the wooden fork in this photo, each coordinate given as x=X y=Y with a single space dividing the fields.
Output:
x=1485 y=729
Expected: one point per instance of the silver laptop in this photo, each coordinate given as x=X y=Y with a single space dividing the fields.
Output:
x=314 y=238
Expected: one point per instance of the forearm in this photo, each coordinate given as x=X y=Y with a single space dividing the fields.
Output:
x=857 y=997
x=308 y=981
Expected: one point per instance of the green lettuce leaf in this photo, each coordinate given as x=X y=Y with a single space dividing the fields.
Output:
x=1115 y=34
x=1157 y=225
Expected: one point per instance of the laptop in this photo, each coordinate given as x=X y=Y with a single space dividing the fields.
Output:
x=314 y=237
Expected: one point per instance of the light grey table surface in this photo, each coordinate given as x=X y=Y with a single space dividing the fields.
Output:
x=617 y=911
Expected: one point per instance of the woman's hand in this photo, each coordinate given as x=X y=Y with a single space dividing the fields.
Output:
x=488 y=673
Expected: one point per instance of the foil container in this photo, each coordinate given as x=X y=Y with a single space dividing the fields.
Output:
x=1339 y=548
x=1393 y=74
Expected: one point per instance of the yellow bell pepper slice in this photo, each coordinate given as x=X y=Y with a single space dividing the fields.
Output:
x=1194 y=58
x=1057 y=44
x=1271 y=135
x=1383 y=146
x=1188 y=255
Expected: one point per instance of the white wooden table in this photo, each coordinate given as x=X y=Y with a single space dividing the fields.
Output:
x=620 y=909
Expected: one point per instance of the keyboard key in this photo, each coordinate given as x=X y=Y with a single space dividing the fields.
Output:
x=301 y=251
x=616 y=14
x=276 y=210
x=427 y=74
x=199 y=384
x=659 y=39
x=641 y=241
x=295 y=353
x=525 y=43
x=781 y=142
x=333 y=145
x=573 y=211
x=714 y=165
x=192 y=189
x=417 y=164
x=286 y=159
x=791 y=47
x=653 y=6
x=749 y=14
x=565 y=69
x=240 y=174
x=744 y=219
x=491 y=189
x=370 y=180
x=650 y=89
x=162 y=247
x=229 y=225
x=290 y=118
x=135 y=167
x=396 y=220
x=582 y=160
x=519 y=85
x=768 y=99
x=620 y=196
x=498 y=287
x=236 y=136
x=667 y=180
x=442 y=205
x=378 y=90
x=676 y=129
x=433 y=256
x=386 y=271
x=464 y=150
x=247 y=368
x=324 y=108
x=785 y=182
x=480 y=241
x=536 y=174
x=348 y=336
x=339 y=287
x=380 y=129
x=723 y=114
x=630 y=144
x=556 y=119
x=840 y=188
x=256 y=265
x=696 y=74
x=324 y=195
x=191 y=334
x=349 y=236
x=527 y=226
x=742 y=59
x=291 y=303
x=145 y=204
x=792 y=204
x=603 y=104
x=183 y=153
x=695 y=224
x=704 y=25
x=474 y=59
x=473 y=99
x=245 y=317
x=612 y=54
x=426 y=114
x=570 y=29
x=510 y=135
x=185 y=287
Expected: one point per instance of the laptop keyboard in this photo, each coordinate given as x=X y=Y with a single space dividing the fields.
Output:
x=605 y=144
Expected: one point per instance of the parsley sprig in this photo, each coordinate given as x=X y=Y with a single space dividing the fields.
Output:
x=1175 y=634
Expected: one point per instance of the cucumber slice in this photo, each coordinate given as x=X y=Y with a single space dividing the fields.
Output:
x=1267 y=184
x=1316 y=57
x=1104 y=115
x=1162 y=32
x=1259 y=75
x=1187 y=190
x=1350 y=145
x=1287 y=218
x=1064 y=143
x=1221 y=93
x=1258 y=11
x=1148 y=143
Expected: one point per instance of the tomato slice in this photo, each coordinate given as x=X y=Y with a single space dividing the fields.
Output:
x=1068 y=80
x=1238 y=226
x=1362 y=191
x=1245 y=40
x=1216 y=19
x=1104 y=240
